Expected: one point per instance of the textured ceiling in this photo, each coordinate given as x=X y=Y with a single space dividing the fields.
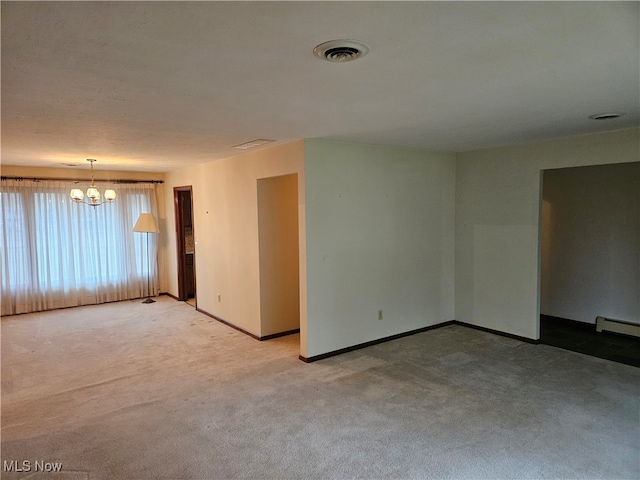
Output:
x=153 y=86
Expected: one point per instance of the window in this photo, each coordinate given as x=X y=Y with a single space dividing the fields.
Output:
x=56 y=253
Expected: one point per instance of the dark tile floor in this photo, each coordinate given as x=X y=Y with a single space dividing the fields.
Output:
x=583 y=338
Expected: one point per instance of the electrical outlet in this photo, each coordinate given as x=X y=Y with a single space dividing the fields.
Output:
x=380 y=316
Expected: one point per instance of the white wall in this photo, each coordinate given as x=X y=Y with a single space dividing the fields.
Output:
x=279 y=254
x=498 y=197
x=380 y=235
x=591 y=243
x=225 y=207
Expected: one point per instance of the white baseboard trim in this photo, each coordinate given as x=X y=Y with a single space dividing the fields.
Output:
x=617 y=326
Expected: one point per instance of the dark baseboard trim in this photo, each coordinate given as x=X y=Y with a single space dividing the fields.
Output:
x=572 y=323
x=277 y=335
x=373 y=342
x=242 y=330
x=370 y=343
x=170 y=295
x=228 y=323
x=413 y=332
x=497 y=332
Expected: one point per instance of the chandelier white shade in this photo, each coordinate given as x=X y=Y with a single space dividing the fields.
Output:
x=93 y=194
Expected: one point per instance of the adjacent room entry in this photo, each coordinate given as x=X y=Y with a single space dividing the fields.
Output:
x=279 y=255
x=183 y=202
x=590 y=260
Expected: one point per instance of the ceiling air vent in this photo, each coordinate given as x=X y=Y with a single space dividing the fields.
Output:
x=606 y=116
x=341 y=50
x=258 y=142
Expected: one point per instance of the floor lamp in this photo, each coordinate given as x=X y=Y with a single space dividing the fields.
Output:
x=147 y=224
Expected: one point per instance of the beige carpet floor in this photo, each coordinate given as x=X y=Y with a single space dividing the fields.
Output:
x=159 y=391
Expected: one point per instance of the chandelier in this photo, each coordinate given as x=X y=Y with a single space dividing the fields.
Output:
x=93 y=194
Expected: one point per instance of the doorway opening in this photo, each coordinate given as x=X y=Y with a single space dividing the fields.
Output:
x=590 y=258
x=185 y=242
x=279 y=256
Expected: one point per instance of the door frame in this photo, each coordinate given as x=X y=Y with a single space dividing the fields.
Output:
x=180 y=241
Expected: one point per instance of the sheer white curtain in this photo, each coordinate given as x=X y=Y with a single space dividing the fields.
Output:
x=56 y=253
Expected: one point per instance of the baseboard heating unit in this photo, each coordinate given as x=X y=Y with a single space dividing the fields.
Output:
x=617 y=326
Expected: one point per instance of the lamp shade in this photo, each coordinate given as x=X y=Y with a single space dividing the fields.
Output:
x=146 y=223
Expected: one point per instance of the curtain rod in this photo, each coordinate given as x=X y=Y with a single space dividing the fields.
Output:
x=48 y=179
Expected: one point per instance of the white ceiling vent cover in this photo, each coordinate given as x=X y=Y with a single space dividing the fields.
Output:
x=258 y=142
x=341 y=50
x=606 y=116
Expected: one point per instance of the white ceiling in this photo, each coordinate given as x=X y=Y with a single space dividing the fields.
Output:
x=153 y=86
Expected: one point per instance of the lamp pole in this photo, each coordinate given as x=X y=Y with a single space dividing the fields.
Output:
x=148 y=299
